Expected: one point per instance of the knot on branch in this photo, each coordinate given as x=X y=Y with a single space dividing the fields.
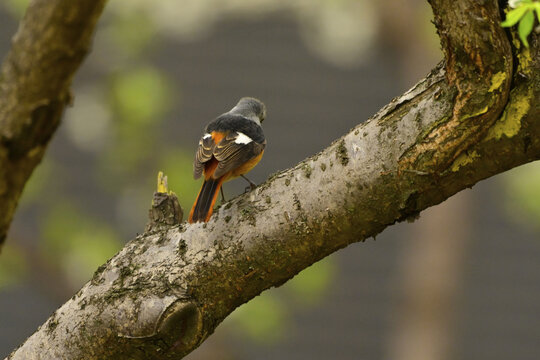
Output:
x=172 y=327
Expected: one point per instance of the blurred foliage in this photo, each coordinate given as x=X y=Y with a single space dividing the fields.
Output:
x=140 y=96
x=267 y=319
x=264 y=319
x=311 y=284
x=36 y=186
x=16 y=7
x=427 y=31
x=138 y=99
x=341 y=32
x=88 y=123
x=177 y=164
x=522 y=194
x=76 y=243
x=13 y=267
x=131 y=32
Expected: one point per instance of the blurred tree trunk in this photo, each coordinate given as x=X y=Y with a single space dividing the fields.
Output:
x=53 y=38
x=474 y=116
x=429 y=276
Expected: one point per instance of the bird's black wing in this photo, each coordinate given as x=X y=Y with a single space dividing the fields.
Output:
x=203 y=154
x=233 y=151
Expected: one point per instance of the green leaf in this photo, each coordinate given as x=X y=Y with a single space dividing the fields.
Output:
x=537 y=8
x=514 y=16
x=525 y=27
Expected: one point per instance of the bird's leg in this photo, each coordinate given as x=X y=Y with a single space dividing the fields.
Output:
x=222 y=196
x=252 y=185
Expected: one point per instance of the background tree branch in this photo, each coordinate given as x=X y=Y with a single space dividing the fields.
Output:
x=168 y=289
x=53 y=38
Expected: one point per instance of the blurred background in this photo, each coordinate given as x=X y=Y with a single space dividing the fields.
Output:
x=462 y=282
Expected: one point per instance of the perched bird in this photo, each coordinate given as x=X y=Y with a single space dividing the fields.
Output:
x=231 y=146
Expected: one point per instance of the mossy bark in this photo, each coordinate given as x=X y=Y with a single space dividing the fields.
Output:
x=169 y=288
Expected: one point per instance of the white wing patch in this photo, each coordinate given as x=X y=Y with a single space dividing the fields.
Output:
x=242 y=138
x=206 y=136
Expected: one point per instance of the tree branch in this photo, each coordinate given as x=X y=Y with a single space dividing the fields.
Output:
x=478 y=71
x=169 y=288
x=53 y=38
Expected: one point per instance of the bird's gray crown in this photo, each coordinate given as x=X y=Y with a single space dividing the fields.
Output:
x=250 y=108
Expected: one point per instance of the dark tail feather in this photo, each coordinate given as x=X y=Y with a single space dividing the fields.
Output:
x=204 y=205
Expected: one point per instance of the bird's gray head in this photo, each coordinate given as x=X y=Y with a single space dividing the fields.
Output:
x=250 y=108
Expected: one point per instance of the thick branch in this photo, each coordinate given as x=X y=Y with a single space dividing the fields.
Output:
x=51 y=42
x=167 y=290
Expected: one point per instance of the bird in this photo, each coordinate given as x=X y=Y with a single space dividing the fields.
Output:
x=232 y=144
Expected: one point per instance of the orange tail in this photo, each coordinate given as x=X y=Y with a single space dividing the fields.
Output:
x=204 y=205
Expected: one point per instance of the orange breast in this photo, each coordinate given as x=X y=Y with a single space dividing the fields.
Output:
x=243 y=169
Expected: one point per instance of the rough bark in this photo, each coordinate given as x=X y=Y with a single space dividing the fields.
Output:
x=478 y=71
x=474 y=116
x=52 y=40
